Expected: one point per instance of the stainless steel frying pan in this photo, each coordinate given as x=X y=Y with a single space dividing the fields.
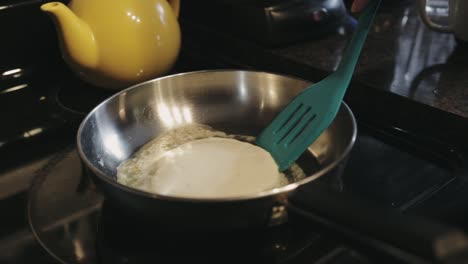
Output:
x=236 y=102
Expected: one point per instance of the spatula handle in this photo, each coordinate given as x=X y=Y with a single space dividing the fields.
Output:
x=353 y=50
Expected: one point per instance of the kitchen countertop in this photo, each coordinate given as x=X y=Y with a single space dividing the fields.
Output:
x=401 y=57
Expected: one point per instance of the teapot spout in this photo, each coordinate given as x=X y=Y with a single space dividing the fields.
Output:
x=75 y=34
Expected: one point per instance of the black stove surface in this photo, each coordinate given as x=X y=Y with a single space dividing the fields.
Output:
x=68 y=221
x=73 y=222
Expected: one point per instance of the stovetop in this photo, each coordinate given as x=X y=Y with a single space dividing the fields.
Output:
x=54 y=214
x=74 y=223
x=68 y=221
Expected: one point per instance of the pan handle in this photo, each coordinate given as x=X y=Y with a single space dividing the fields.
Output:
x=415 y=235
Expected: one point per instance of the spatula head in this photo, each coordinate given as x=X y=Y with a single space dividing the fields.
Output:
x=299 y=125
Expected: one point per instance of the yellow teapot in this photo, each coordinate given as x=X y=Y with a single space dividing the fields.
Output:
x=115 y=44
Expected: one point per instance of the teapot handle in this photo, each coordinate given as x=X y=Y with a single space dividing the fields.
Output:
x=175 y=4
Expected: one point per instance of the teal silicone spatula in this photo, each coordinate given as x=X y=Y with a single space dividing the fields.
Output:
x=302 y=121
